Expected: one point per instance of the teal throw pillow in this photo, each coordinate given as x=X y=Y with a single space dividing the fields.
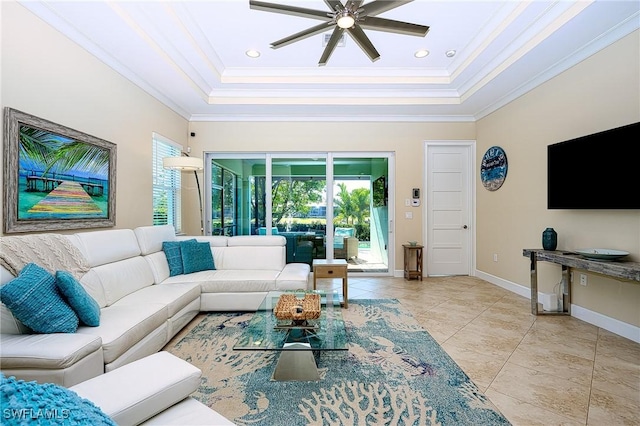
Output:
x=46 y=403
x=196 y=256
x=34 y=300
x=174 y=256
x=76 y=296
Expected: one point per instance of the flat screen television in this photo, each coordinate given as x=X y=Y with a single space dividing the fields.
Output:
x=598 y=171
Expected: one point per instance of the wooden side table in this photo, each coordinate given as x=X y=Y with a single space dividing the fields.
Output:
x=411 y=252
x=332 y=268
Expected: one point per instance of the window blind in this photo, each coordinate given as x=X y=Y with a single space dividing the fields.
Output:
x=166 y=184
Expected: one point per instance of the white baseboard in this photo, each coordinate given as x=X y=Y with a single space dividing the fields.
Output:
x=507 y=285
x=613 y=325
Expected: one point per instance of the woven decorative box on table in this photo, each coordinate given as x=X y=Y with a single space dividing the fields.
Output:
x=290 y=307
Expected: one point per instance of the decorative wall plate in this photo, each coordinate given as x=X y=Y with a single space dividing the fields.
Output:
x=493 y=170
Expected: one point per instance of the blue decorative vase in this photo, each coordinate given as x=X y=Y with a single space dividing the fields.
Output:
x=549 y=239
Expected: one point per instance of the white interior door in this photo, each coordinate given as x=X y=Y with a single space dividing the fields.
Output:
x=449 y=176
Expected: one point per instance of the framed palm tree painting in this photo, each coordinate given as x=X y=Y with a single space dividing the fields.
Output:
x=55 y=177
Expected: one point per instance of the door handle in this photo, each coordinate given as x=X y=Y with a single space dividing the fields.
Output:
x=464 y=226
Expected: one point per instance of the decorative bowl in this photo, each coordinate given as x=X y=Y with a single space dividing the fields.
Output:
x=413 y=243
x=602 y=254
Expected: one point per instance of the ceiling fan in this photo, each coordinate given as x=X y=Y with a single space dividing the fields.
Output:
x=353 y=16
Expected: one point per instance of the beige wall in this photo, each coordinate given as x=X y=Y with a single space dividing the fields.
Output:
x=406 y=140
x=46 y=75
x=600 y=93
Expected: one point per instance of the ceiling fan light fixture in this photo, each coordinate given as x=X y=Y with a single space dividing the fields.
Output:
x=350 y=16
x=345 y=19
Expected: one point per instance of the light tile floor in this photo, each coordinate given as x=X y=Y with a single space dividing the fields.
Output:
x=545 y=370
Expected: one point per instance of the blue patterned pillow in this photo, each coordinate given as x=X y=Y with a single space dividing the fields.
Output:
x=33 y=299
x=196 y=256
x=35 y=403
x=85 y=306
x=174 y=257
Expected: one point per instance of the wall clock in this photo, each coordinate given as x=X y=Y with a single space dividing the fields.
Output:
x=493 y=170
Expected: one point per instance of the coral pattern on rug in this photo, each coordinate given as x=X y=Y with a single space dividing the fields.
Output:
x=394 y=373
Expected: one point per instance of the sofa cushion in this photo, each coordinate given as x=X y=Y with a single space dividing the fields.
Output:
x=213 y=240
x=102 y=247
x=248 y=258
x=47 y=351
x=28 y=398
x=257 y=240
x=238 y=281
x=344 y=232
x=174 y=257
x=124 y=325
x=159 y=266
x=174 y=296
x=150 y=238
x=188 y=412
x=134 y=392
x=93 y=284
x=196 y=256
x=124 y=277
x=77 y=297
x=34 y=300
x=294 y=276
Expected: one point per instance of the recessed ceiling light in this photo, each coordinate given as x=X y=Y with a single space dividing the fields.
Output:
x=450 y=53
x=421 y=53
x=252 y=53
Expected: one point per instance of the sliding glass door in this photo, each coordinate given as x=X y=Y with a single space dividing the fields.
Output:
x=360 y=214
x=287 y=194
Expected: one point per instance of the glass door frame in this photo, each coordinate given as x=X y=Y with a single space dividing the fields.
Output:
x=329 y=157
x=391 y=172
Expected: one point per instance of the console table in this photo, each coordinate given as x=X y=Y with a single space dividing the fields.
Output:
x=619 y=269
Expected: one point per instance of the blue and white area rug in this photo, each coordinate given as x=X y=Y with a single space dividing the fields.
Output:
x=394 y=373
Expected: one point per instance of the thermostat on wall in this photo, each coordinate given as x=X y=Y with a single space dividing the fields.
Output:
x=415 y=201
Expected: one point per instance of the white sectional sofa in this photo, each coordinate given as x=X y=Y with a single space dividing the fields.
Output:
x=141 y=306
x=154 y=390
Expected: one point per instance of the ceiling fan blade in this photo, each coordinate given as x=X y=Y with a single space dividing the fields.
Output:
x=391 y=26
x=363 y=41
x=320 y=28
x=379 y=6
x=290 y=10
x=335 y=5
x=331 y=45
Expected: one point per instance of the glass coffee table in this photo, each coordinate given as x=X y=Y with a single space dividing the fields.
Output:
x=296 y=342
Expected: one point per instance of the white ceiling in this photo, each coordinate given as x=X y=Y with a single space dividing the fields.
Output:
x=191 y=55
